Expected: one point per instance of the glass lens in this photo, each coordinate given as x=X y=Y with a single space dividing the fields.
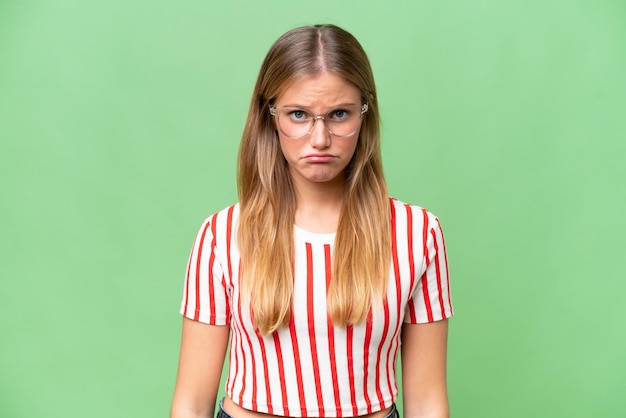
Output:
x=343 y=122
x=296 y=123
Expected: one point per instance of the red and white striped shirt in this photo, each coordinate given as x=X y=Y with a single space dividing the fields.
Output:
x=313 y=368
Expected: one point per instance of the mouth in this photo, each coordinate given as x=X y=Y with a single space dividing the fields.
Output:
x=318 y=158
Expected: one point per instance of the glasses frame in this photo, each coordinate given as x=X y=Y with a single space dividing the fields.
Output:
x=273 y=111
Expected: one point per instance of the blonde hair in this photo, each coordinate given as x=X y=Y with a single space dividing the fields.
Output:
x=362 y=249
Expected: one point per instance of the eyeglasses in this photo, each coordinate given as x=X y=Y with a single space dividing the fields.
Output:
x=296 y=123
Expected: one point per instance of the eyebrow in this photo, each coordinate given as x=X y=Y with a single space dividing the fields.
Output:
x=347 y=104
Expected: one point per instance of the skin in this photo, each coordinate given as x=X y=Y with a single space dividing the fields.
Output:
x=316 y=165
x=202 y=354
x=424 y=355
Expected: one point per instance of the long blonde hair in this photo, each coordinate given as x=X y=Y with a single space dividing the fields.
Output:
x=362 y=248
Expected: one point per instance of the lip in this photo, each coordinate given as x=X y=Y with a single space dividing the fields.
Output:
x=319 y=158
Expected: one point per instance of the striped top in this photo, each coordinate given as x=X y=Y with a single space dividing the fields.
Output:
x=313 y=368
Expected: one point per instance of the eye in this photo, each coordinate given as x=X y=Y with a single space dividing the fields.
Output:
x=339 y=114
x=298 y=115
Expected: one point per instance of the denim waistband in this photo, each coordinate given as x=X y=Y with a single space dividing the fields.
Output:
x=223 y=414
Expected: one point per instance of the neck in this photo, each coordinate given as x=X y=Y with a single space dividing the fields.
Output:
x=318 y=206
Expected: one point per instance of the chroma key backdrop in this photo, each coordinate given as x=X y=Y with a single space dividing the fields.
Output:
x=119 y=128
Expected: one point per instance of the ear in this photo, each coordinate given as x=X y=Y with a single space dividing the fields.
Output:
x=274 y=124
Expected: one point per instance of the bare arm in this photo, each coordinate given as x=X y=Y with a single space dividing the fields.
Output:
x=202 y=353
x=424 y=356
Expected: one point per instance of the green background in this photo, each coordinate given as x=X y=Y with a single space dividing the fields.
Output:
x=119 y=127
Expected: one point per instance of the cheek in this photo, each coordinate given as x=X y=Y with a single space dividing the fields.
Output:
x=351 y=146
x=286 y=147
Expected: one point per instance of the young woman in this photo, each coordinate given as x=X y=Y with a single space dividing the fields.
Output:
x=316 y=276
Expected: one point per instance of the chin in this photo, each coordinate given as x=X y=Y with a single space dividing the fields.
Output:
x=326 y=179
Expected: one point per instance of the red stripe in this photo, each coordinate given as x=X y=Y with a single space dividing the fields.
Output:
x=366 y=357
x=235 y=339
x=438 y=271
x=234 y=343
x=298 y=364
x=331 y=334
x=391 y=362
x=424 y=279
x=196 y=315
x=227 y=299
x=409 y=234
x=187 y=278
x=394 y=250
x=266 y=374
x=281 y=373
x=230 y=382
x=412 y=313
x=379 y=392
x=409 y=221
x=396 y=271
x=311 y=326
x=425 y=237
x=429 y=309
x=389 y=365
x=296 y=355
x=350 y=354
x=252 y=361
x=211 y=265
x=229 y=229
x=445 y=255
x=244 y=365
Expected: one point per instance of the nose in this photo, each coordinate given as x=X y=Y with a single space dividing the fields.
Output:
x=319 y=138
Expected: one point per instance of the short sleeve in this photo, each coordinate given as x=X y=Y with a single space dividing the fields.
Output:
x=430 y=300
x=205 y=296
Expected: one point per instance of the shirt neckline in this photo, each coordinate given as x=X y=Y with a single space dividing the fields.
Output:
x=313 y=237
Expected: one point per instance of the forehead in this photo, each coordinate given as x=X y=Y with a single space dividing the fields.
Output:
x=320 y=90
